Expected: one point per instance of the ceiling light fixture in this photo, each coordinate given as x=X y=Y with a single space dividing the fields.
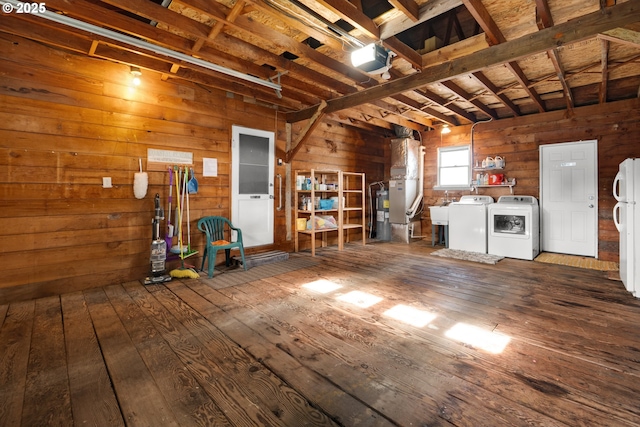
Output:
x=80 y=25
x=136 y=73
x=445 y=129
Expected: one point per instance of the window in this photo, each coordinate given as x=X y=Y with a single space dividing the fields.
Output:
x=454 y=167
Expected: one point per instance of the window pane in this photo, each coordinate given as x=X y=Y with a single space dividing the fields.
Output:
x=453 y=166
x=454 y=176
x=454 y=158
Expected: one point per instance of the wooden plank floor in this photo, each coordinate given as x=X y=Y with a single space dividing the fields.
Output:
x=323 y=343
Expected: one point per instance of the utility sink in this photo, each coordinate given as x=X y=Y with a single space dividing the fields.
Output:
x=439 y=215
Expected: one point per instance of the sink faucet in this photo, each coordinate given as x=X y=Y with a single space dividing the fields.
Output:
x=445 y=200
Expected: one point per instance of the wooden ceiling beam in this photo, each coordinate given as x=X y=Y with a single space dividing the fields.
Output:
x=427 y=11
x=353 y=16
x=455 y=88
x=407 y=114
x=604 y=52
x=219 y=25
x=409 y=7
x=418 y=106
x=306 y=132
x=158 y=13
x=403 y=51
x=545 y=20
x=454 y=51
x=383 y=114
x=543 y=14
x=555 y=59
x=446 y=103
x=526 y=85
x=484 y=80
x=562 y=34
x=482 y=17
x=623 y=36
x=322 y=37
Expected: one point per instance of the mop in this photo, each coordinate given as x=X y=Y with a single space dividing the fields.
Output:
x=182 y=272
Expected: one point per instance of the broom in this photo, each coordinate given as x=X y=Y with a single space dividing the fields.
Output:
x=182 y=272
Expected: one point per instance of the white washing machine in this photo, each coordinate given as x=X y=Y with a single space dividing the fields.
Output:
x=514 y=227
x=468 y=223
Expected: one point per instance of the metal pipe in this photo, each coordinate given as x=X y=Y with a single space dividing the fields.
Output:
x=80 y=25
x=414 y=207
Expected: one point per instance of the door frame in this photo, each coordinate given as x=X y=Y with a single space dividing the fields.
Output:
x=596 y=228
x=236 y=131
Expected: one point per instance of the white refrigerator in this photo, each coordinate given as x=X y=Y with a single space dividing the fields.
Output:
x=626 y=212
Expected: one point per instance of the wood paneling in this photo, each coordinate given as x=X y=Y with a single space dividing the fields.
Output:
x=66 y=121
x=614 y=125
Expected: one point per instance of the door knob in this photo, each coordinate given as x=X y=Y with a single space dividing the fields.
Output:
x=591 y=205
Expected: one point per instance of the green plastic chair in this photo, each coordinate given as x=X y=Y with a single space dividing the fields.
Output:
x=219 y=228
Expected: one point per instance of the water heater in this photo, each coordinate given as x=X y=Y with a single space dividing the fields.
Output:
x=383 y=226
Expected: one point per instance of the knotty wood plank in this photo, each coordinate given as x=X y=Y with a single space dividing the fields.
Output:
x=221 y=311
x=140 y=400
x=15 y=341
x=93 y=400
x=3 y=313
x=47 y=388
x=249 y=378
x=185 y=397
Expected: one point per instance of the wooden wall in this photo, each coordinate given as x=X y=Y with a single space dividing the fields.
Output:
x=67 y=120
x=615 y=126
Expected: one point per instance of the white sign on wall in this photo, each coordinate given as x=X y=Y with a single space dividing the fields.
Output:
x=209 y=167
x=168 y=156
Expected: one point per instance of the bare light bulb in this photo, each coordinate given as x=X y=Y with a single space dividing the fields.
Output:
x=136 y=73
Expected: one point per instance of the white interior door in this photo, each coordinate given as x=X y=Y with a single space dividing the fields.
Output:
x=569 y=198
x=253 y=156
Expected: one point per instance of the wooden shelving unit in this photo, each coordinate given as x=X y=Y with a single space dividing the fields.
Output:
x=353 y=214
x=348 y=188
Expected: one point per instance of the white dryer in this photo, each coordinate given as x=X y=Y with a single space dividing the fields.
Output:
x=514 y=227
x=468 y=223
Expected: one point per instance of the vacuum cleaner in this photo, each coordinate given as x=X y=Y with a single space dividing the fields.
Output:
x=158 y=248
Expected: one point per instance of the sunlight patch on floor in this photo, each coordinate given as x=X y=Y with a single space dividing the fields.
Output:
x=360 y=299
x=410 y=315
x=322 y=286
x=477 y=337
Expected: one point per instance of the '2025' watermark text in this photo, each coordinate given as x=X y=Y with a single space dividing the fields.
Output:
x=19 y=7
